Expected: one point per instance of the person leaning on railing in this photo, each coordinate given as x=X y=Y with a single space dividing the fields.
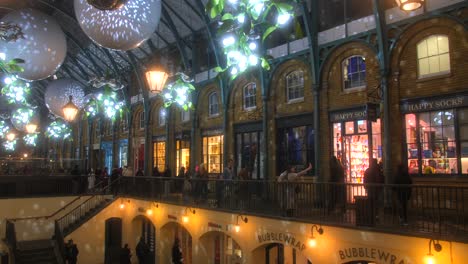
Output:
x=291 y=177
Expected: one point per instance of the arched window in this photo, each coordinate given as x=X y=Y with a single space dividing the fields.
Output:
x=162 y=116
x=354 y=72
x=295 y=85
x=213 y=106
x=142 y=119
x=433 y=56
x=250 y=96
x=184 y=115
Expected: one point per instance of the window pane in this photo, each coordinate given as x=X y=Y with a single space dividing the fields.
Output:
x=432 y=46
x=423 y=66
x=443 y=44
x=349 y=126
x=422 y=50
x=464 y=157
x=411 y=129
x=463 y=116
x=444 y=62
x=362 y=126
x=464 y=132
x=434 y=65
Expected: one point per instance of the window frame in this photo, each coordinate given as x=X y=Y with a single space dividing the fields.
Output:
x=141 y=119
x=184 y=113
x=212 y=104
x=245 y=96
x=418 y=59
x=162 y=116
x=288 y=87
x=345 y=65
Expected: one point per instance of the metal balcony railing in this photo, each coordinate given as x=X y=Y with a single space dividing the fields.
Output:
x=433 y=211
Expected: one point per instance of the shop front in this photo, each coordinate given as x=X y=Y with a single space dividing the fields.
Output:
x=106 y=147
x=139 y=150
x=212 y=150
x=182 y=151
x=159 y=155
x=249 y=143
x=436 y=135
x=123 y=153
x=295 y=142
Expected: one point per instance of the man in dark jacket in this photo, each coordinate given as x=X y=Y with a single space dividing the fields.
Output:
x=142 y=251
x=125 y=255
x=177 y=257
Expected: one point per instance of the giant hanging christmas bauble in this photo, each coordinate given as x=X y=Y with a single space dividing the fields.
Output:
x=58 y=92
x=124 y=28
x=44 y=46
x=23 y=116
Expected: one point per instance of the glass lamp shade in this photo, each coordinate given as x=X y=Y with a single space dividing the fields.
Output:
x=410 y=5
x=31 y=128
x=10 y=136
x=58 y=94
x=123 y=28
x=70 y=110
x=156 y=80
x=43 y=47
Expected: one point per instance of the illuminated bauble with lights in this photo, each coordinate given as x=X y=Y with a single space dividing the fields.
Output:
x=107 y=4
x=23 y=116
x=124 y=28
x=43 y=47
x=58 y=94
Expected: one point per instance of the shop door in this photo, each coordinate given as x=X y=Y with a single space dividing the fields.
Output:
x=274 y=254
x=113 y=240
x=356 y=152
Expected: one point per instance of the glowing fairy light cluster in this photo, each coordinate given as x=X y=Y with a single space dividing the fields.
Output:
x=30 y=139
x=179 y=92
x=105 y=103
x=243 y=23
x=15 y=90
x=58 y=129
x=4 y=128
x=22 y=117
x=10 y=145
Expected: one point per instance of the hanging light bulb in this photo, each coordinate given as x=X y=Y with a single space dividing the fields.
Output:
x=70 y=110
x=156 y=79
x=11 y=136
x=31 y=128
x=410 y=5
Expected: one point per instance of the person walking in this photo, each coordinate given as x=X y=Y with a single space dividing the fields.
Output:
x=291 y=177
x=371 y=177
x=337 y=189
x=177 y=257
x=71 y=252
x=403 y=191
x=142 y=251
x=125 y=255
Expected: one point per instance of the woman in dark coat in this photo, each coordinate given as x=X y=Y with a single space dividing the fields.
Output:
x=125 y=255
x=403 y=192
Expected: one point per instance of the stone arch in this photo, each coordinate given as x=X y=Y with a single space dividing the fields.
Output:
x=278 y=250
x=143 y=228
x=225 y=240
x=169 y=231
x=136 y=116
x=154 y=111
x=277 y=91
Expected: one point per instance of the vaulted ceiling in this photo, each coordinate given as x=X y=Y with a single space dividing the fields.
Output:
x=180 y=23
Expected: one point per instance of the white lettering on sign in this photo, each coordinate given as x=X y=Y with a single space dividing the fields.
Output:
x=370 y=253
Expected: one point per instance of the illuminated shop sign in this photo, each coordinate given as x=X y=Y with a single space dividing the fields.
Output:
x=434 y=104
x=374 y=254
x=370 y=112
x=287 y=239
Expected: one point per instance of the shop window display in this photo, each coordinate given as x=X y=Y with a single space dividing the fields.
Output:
x=159 y=155
x=295 y=147
x=431 y=142
x=183 y=154
x=463 y=124
x=354 y=144
x=213 y=153
x=248 y=154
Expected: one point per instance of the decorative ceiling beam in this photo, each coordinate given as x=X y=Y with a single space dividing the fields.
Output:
x=78 y=65
x=86 y=53
x=153 y=48
x=194 y=9
x=179 y=17
x=178 y=38
x=75 y=72
x=167 y=24
x=162 y=38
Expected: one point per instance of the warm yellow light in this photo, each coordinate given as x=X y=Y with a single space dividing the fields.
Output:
x=237 y=228
x=122 y=206
x=185 y=219
x=31 y=128
x=410 y=5
x=312 y=242
x=149 y=212
x=429 y=259
x=70 y=110
x=11 y=136
x=25 y=155
x=156 y=80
